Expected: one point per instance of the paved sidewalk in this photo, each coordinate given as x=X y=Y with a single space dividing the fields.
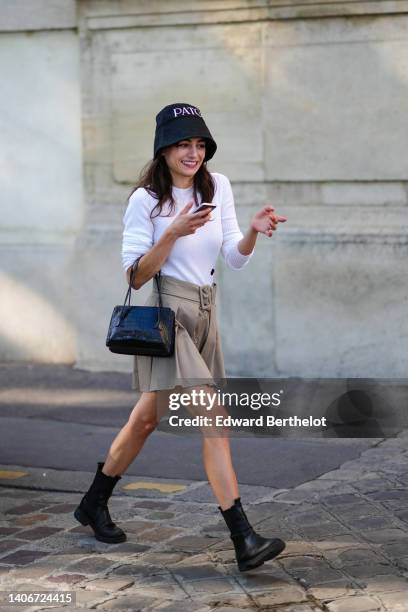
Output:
x=347 y=535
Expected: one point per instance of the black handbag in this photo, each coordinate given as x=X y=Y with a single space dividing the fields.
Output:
x=142 y=330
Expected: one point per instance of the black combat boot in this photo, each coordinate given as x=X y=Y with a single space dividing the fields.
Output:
x=251 y=549
x=93 y=509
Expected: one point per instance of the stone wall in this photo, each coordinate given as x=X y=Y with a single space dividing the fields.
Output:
x=40 y=180
x=307 y=103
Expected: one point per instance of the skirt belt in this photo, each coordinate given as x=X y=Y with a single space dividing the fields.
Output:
x=203 y=294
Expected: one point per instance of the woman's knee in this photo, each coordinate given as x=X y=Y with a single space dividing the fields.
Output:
x=142 y=426
x=144 y=417
x=215 y=436
x=148 y=426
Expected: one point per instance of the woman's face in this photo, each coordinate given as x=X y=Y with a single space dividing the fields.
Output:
x=185 y=157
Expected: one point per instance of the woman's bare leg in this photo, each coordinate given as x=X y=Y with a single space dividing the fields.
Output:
x=217 y=453
x=129 y=441
x=251 y=549
x=143 y=420
x=220 y=471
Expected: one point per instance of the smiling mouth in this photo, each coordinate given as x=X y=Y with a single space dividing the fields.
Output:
x=189 y=164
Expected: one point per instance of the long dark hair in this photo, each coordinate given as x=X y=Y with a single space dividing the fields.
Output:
x=155 y=177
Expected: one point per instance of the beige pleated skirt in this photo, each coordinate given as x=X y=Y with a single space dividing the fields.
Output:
x=198 y=357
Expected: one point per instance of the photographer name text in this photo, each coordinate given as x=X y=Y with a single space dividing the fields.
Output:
x=260 y=421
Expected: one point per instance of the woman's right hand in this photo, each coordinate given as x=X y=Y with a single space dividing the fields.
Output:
x=185 y=223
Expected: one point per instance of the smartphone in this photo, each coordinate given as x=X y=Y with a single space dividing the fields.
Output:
x=205 y=207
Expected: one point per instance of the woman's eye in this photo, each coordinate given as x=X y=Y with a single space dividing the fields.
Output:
x=186 y=144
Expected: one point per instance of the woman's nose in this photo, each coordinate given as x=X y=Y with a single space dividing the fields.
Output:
x=194 y=149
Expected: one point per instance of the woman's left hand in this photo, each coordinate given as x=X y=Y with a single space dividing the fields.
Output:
x=266 y=221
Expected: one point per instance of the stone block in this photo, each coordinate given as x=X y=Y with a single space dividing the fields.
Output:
x=333 y=590
x=137 y=527
x=138 y=570
x=152 y=505
x=60 y=508
x=198 y=589
x=226 y=557
x=382 y=584
x=90 y=565
x=66 y=578
x=396 y=549
x=385 y=536
x=323 y=531
x=394 y=505
x=335 y=543
x=160 y=534
x=23 y=557
x=370 y=485
x=311 y=108
x=86 y=599
x=32 y=519
x=312 y=517
x=39 y=533
x=402 y=562
x=354 y=604
x=27 y=508
x=369 y=523
x=160 y=516
x=110 y=584
x=299 y=608
x=280 y=597
x=343 y=500
x=126 y=602
x=300 y=547
x=303 y=562
x=354 y=556
x=17 y=15
x=7 y=545
x=189 y=543
x=182 y=606
x=118 y=551
x=6 y=531
x=54 y=114
x=265 y=579
x=358 y=511
x=215 y=11
x=160 y=590
x=231 y=603
x=163 y=558
x=327 y=292
x=232 y=116
x=194 y=572
x=321 y=575
x=369 y=570
x=395 y=602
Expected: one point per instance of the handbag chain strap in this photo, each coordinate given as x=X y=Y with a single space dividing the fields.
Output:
x=157 y=278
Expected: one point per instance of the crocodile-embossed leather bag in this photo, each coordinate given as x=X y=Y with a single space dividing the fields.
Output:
x=142 y=330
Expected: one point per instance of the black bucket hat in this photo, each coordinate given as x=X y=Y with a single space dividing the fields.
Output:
x=178 y=121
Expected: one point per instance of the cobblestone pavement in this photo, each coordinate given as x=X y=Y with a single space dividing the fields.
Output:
x=346 y=533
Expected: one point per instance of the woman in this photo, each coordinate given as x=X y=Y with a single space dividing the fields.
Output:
x=162 y=229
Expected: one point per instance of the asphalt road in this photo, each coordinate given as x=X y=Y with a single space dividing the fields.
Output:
x=64 y=418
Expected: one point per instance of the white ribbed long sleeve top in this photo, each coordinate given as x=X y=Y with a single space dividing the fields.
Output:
x=193 y=257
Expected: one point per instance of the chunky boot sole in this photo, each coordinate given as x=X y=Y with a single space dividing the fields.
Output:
x=266 y=555
x=84 y=519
